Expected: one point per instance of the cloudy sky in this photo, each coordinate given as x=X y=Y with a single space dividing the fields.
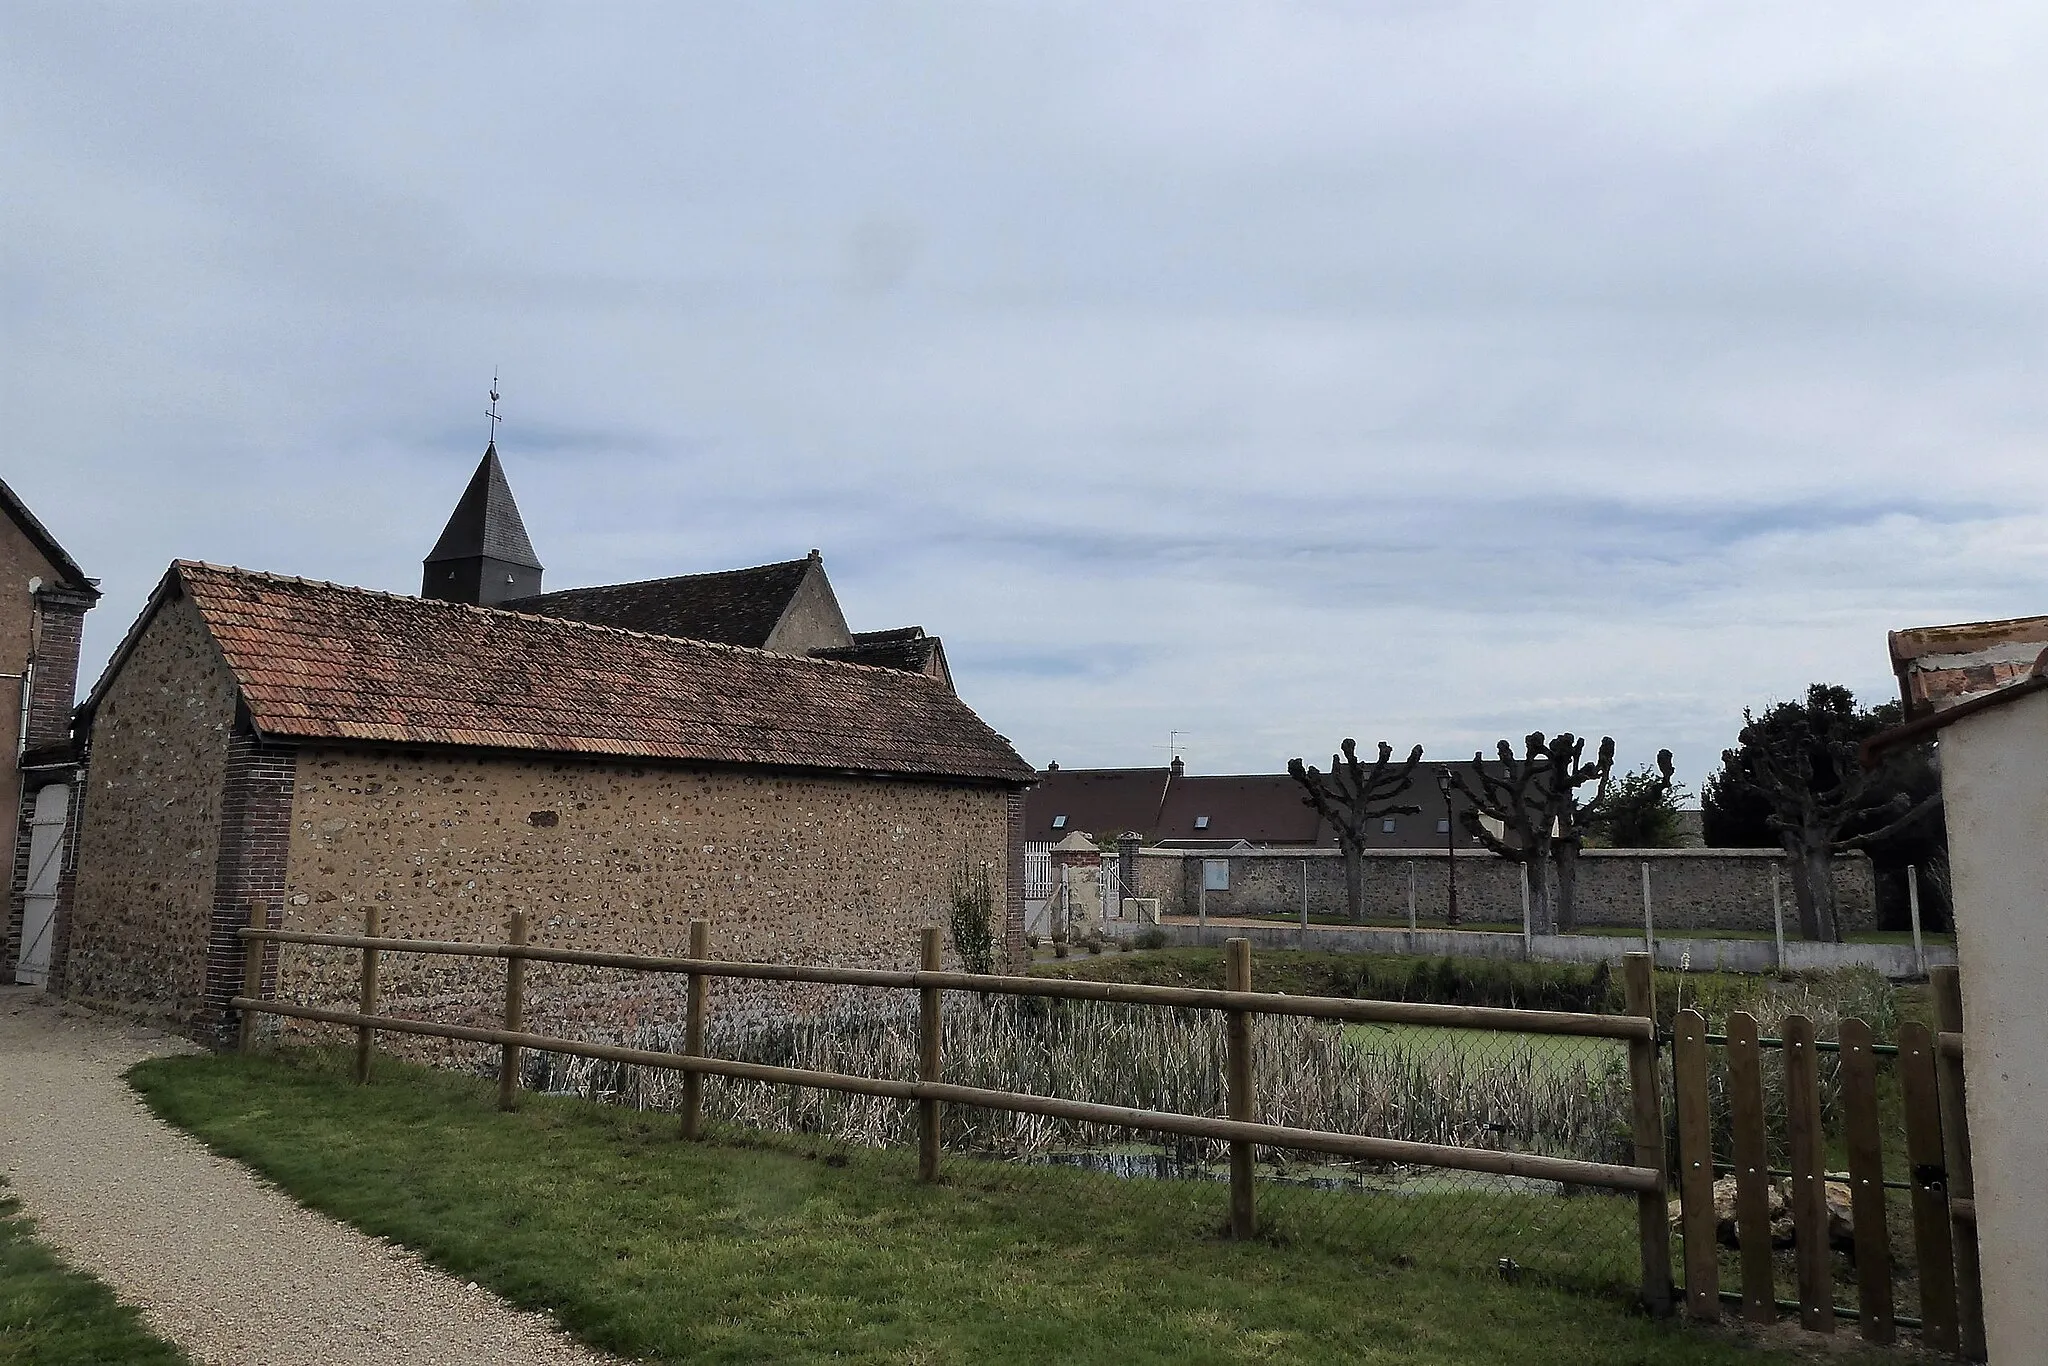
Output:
x=1267 y=374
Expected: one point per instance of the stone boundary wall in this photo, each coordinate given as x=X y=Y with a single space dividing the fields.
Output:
x=1894 y=961
x=1720 y=889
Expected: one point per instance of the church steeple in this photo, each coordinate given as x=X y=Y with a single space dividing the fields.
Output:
x=483 y=556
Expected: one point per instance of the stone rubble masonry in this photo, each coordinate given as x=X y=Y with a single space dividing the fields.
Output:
x=1689 y=888
x=617 y=857
x=138 y=932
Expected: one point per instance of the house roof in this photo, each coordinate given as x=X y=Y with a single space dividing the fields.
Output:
x=1101 y=801
x=731 y=607
x=486 y=521
x=317 y=661
x=45 y=544
x=906 y=647
x=1941 y=666
x=2035 y=679
x=1265 y=808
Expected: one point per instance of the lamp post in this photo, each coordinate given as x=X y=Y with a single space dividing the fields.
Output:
x=1443 y=785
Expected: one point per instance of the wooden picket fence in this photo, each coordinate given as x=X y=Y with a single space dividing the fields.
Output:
x=1241 y=1006
x=1936 y=1173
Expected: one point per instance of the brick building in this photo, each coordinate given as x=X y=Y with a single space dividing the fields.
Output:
x=44 y=597
x=320 y=749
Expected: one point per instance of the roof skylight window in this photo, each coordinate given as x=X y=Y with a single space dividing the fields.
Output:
x=1201 y=822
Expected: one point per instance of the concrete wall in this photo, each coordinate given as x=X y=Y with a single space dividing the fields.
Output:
x=615 y=857
x=135 y=936
x=1689 y=888
x=1994 y=777
x=1895 y=961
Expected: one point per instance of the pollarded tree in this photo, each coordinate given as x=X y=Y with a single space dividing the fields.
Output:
x=1535 y=800
x=1801 y=761
x=1350 y=797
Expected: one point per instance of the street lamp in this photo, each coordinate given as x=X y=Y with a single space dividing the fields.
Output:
x=1443 y=785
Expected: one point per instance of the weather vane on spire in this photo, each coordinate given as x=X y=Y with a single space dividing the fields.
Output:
x=492 y=411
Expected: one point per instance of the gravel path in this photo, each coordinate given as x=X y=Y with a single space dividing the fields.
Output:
x=218 y=1261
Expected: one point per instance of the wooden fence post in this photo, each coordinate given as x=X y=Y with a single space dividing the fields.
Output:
x=1807 y=1141
x=693 y=1032
x=1866 y=1183
x=1237 y=1037
x=1933 y=1252
x=1962 y=1182
x=1696 y=1166
x=515 y=1018
x=1647 y=1117
x=1778 y=915
x=1752 y=1170
x=252 y=977
x=929 y=1066
x=366 y=1037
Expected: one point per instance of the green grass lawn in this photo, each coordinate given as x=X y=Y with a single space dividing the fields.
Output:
x=1552 y=1053
x=54 y=1316
x=756 y=1248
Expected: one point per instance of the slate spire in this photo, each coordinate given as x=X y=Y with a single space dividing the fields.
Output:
x=483 y=556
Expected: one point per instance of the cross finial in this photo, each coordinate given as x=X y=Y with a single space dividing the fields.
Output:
x=492 y=411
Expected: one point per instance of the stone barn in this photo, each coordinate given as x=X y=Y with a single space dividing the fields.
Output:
x=320 y=749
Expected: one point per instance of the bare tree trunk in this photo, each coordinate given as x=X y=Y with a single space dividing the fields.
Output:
x=1563 y=913
x=1813 y=888
x=1354 y=882
x=1542 y=897
x=1820 y=880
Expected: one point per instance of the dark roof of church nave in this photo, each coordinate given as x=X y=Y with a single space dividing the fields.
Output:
x=316 y=661
x=730 y=607
x=905 y=647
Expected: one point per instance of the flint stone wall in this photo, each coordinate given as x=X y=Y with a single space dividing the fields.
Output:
x=135 y=936
x=1690 y=889
x=617 y=858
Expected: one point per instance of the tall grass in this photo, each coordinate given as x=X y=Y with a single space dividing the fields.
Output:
x=1509 y=1091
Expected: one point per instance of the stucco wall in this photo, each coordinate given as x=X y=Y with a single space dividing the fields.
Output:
x=786 y=868
x=136 y=936
x=1689 y=888
x=1994 y=777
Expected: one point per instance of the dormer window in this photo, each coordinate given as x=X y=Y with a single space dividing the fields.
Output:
x=1201 y=822
x=1059 y=822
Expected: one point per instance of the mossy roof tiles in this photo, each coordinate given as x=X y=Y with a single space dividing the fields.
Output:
x=317 y=661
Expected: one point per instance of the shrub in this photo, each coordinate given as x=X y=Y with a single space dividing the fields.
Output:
x=1154 y=938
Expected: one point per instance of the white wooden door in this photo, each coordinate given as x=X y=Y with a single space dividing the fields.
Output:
x=45 y=864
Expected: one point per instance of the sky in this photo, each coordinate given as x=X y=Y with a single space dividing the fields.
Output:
x=1245 y=377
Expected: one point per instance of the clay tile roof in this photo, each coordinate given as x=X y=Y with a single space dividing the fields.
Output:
x=732 y=607
x=1941 y=666
x=317 y=661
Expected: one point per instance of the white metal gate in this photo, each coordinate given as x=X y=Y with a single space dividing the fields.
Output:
x=45 y=864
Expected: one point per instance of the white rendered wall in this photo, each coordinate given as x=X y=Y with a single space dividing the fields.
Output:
x=1994 y=774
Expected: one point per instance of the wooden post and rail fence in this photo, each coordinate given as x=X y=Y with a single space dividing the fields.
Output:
x=1935 y=1174
x=1929 y=1066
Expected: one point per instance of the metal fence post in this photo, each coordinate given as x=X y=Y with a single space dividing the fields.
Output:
x=1649 y=921
x=928 y=1061
x=515 y=1017
x=1647 y=1121
x=693 y=1031
x=1237 y=972
x=366 y=1037
x=1778 y=914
